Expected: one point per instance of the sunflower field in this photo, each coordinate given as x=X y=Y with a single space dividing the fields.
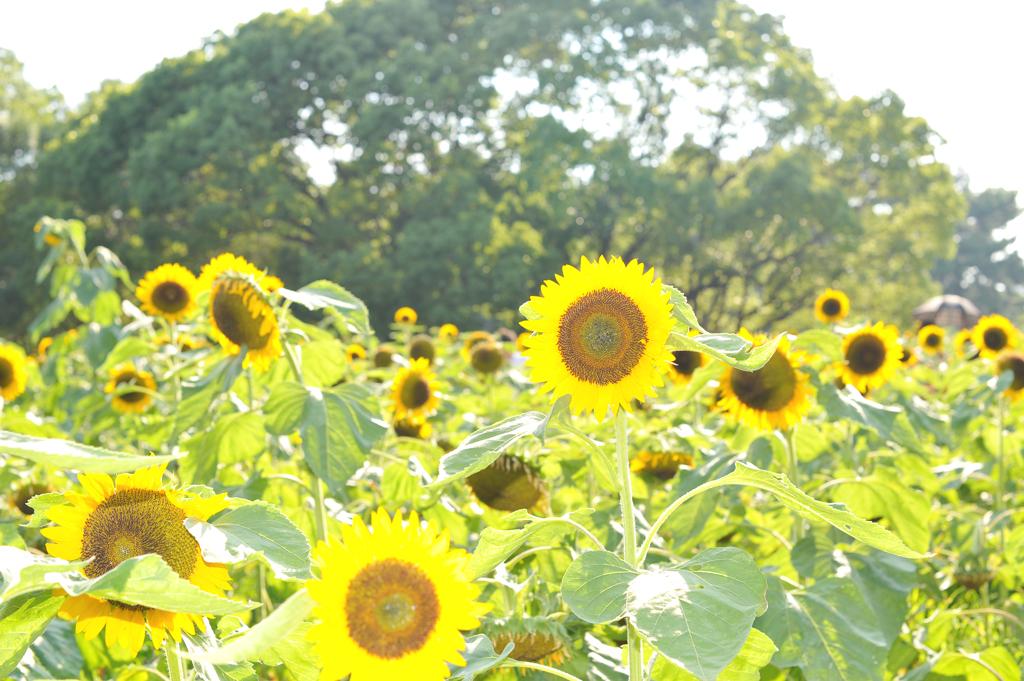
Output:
x=209 y=476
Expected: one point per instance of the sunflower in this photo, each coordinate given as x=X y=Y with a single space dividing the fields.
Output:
x=537 y=639
x=959 y=340
x=1012 y=361
x=871 y=356
x=422 y=347
x=354 y=352
x=471 y=342
x=992 y=335
x=601 y=335
x=12 y=372
x=241 y=314
x=405 y=315
x=448 y=332
x=521 y=340
x=907 y=358
x=414 y=391
x=662 y=465
x=930 y=338
x=487 y=357
x=132 y=516
x=168 y=291
x=127 y=374
x=408 y=427
x=44 y=344
x=228 y=262
x=774 y=396
x=831 y=306
x=684 y=363
x=383 y=356
x=392 y=602
x=508 y=484
x=20 y=498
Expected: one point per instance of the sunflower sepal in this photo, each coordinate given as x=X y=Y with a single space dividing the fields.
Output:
x=484 y=446
x=728 y=348
x=681 y=310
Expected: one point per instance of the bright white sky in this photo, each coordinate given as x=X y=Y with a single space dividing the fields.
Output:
x=956 y=64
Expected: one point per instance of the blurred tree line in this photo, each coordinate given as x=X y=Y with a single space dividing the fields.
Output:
x=474 y=147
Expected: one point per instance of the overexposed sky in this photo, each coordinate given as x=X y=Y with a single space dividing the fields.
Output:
x=957 y=64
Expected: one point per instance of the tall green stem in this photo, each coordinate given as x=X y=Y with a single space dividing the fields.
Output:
x=175 y=668
x=636 y=660
x=794 y=478
x=317 y=486
x=1001 y=479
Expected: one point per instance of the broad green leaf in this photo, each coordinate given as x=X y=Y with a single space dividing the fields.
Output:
x=681 y=310
x=480 y=657
x=73 y=456
x=882 y=495
x=726 y=347
x=42 y=503
x=828 y=343
x=204 y=640
x=756 y=653
x=9 y=536
x=979 y=666
x=527 y=311
x=242 y=438
x=699 y=614
x=481 y=448
x=22 y=621
x=126 y=349
x=283 y=411
x=827 y=630
x=339 y=428
x=557 y=415
x=323 y=363
x=285 y=618
x=259 y=529
x=889 y=422
x=326 y=294
x=23 y=572
x=295 y=652
x=52 y=315
x=54 y=655
x=595 y=585
x=497 y=545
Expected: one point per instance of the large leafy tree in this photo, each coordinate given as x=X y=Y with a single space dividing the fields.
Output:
x=478 y=146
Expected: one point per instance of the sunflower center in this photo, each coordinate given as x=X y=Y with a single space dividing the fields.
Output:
x=129 y=397
x=392 y=608
x=770 y=388
x=866 y=354
x=831 y=307
x=995 y=338
x=170 y=296
x=932 y=340
x=602 y=337
x=415 y=391
x=6 y=372
x=232 y=312
x=134 y=522
x=508 y=484
x=1013 y=363
x=686 y=361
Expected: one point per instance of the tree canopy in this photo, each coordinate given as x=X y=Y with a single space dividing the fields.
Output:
x=476 y=147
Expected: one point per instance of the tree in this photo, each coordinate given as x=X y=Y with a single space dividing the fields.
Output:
x=458 y=195
x=986 y=268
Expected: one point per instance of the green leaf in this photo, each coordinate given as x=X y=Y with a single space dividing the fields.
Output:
x=22 y=621
x=71 y=455
x=481 y=448
x=112 y=264
x=52 y=315
x=480 y=657
x=681 y=310
x=23 y=572
x=756 y=653
x=283 y=621
x=259 y=529
x=979 y=666
x=242 y=438
x=326 y=294
x=323 y=362
x=295 y=652
x=829 y=344
x=41 y=503
x=827 y=630
x=497 y=545
x=527 y=311
x=882 y=495
x=726 y=347
x=338 y=430
x=283 y=411
x=54 y=655
x=9 y=536
x=126 y=349
x=204 y=640
x=557 y=415
x=595 y=585
x=889 y=422
x=699 y=614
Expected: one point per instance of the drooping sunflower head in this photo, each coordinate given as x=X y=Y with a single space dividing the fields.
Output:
x=537 y=639
x=392 y=603
x=12 y=372
x=414 y=393
x=1012 y=361
x=471 y=342
x=448 y=332
x=662 y=465
x=487 y=357
x=241 y=314
x=871 y=355
x=774 y=396
x=117 y=520
x=405 y=315
x=382 y=357
x=931 y=338
x=125 y=376
x=831 y=306
x=907 y=358
x=422 y=347
x=20 y=497
x=600 y=336
x=354 y=352
x=409 y=427
x=521 y=340
x=168 y=291
x=509 y=484
x=960 y=342
x=993 y=335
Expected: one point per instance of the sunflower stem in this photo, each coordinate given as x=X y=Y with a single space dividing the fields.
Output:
x=289 y=353
x=321 y=509
x=794 y=477
x=636 y=662
x=1001 y=463
x=175 y=668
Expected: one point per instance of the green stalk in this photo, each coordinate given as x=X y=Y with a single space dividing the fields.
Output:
x=1001 y=479
x=318 y=485
x=636 y=662
x=175 y=668
x=794 y=477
